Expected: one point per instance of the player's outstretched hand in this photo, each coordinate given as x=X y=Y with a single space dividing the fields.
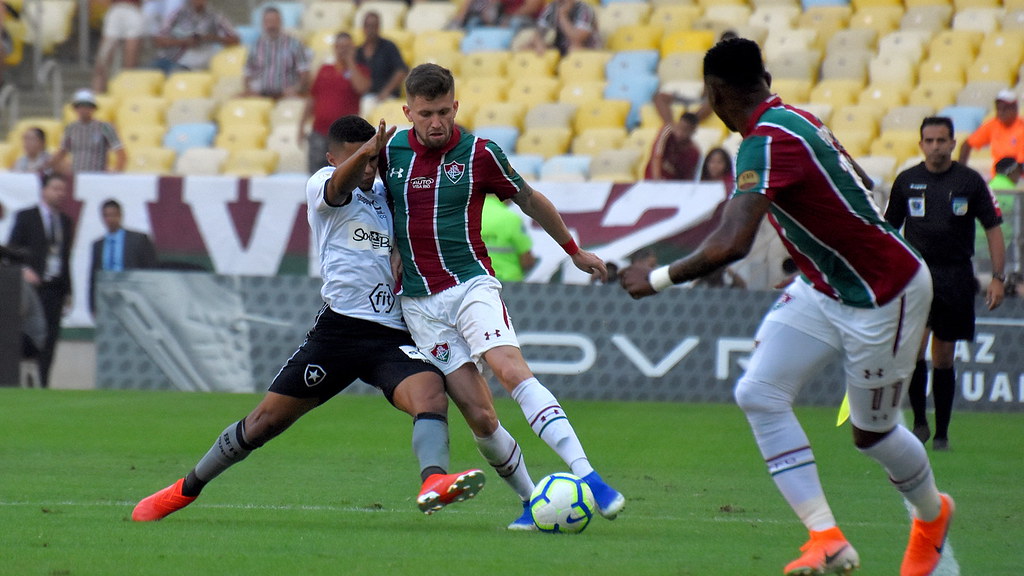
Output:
x=635 y=280
x=374 y=145
x=591 y=264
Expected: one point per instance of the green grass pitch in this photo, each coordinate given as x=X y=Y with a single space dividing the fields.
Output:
x=336 y=493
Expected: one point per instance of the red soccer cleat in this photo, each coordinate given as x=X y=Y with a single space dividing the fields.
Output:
x=827 y=552
x=440 y=490
x=162 y=503
x=926 y=541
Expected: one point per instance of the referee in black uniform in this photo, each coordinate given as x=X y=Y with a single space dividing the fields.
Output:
x=936 y=203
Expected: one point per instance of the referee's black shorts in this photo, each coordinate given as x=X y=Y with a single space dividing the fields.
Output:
x=339 y=349
x=952 y=314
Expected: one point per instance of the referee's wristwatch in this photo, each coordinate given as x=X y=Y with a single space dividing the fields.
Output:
x=999 y=276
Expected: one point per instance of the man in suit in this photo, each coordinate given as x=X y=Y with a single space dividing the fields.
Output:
x=118 y=249
x=43 y=236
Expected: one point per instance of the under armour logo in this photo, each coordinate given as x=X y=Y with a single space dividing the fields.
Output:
x=868 y=374
x=497 y=334
x=396 y=172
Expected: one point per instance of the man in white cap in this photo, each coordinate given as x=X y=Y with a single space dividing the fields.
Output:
x=89 y=140
x=1004 y=134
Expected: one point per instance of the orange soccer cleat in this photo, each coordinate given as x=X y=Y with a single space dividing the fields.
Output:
x=440 y=490
x=162 y=503
x=827 y=552
x=926 y=541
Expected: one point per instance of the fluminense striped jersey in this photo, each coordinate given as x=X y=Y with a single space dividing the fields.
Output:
x=437 y=197
x=820 y=208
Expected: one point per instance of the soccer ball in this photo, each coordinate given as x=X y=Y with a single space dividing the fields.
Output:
x=561 y=503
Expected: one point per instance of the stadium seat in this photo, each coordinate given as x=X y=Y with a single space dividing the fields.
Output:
x=615 y=166
x=527 y=165
x=1012 y=21
x=554 y=115
x=860 y=117
x=966 y=119
x=852 y=39
x=250 y=163
x=226 y=88
x=727 y=14
x=504 y=136
x=642 y=139
x=708 y=137
x=392 y=15
x=851 y=64
x=681 y=66
x=943 y=69
x=529 y=64
x=687 y=41
x=136 y=82
x=55 y=23
x=782 y=43
x=901 y=144
x=139 y=135
x=487 y=39
x=287 y=112
x=546 y=141
x=907 y=44
x=635 y=37
x=190 y=111
x=638 y=89
x=393 y=114
x=881 y=169
x=291 y=152
x=583 y=65
x=565 y=168
x=880 y=19
x=826 y=21
x=181 y=137
x=934 y=94
x=884 y=94
x=795 y=65
x=234 y=137
x=949 y=42
x=981 y=19
x=450 y=59
x=190 y=84
x=200 y=162
x=905 y=117
x=965 y=4
x=611 y=17
x=775 y=16
x=499 y=114
x=484 y=64
x=230 y=61
x=590 y=142
x=981 y=93
x=601 y=114
x=429 y=42
x=580 y=93
x=149 y=160
x=1008 y=45
x=892 y=67
x=429 y=16
x=674 y=17
x=533 y=90
x=481 y=90
x=245 y=111
x=327 y=14
x=146 y=110
x=931 y=18
x=837 y=92
x=992 y=69
x=792 y=90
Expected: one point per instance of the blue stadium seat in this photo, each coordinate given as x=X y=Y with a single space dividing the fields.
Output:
x=566 y=168
x=966 y=119
x=291 y=14
x=248 y=35
x=181 y=137
x=814 y=3
x=639 y=89
x=487 y=39
x=631 y=62
x=528 y=165
x=504 y=136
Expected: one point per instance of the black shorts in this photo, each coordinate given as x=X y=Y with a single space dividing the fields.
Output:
x=339 y=349
x=952 y=314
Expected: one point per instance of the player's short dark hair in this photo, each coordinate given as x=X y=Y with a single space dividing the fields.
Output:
x=429 y=81
x=937 y=121
x=737 y=61
x=351 y=128
x=111 y=203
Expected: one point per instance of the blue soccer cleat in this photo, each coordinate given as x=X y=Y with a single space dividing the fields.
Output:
x=525 y=521
x=609 y=501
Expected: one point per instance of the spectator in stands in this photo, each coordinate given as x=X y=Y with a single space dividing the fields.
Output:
x=35 y=157
x=156 y=12
x=508 y=244
x=125 y=23
x=514 y=14
x=717 y=167
x=335 y=92
x=382 y=57
x=1004 y=134
x=566 y=25
x=118 y=249
x=1007 y=175
x=88 y=140
x=278 y=64
x=191 y=36
x=1004 y=185
x=675 y=156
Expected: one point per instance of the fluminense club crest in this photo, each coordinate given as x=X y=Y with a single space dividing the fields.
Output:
x=442 y=352
x=454 y=171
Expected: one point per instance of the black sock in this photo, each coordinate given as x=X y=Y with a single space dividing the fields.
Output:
x=917 y=393
x=944 y=390
x=192 y=485
x=430 y=471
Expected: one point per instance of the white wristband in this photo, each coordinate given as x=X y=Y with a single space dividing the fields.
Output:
x=660 y=279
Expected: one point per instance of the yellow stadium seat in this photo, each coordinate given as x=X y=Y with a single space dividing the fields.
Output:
x=992 y=69
x=393 y=114
x=1007 y=45
x=250 y=163
x=615 y=166
x=429 y=42
x=792 y=90
x=8 y=155
x=321 y=14
x=687 y=41
x=855 y=118
x=55 y=23
x=859 y=4
x=191 y=84
x=555 y=115
x=852 y=39
x=674 y=17
x=822 y=111
x=965 y=4
x=500 y=114
x=544 y=141
x=226 y=88
x=979 y=93
x=901 y=144
x=287 y=112
x=1012 y=20
x=529 y=64
x=856 y=141
x=905 y=118
x=951 y=55
x=681 y=66
x=837 y=92
x=982 y=19
x=150 y=160
x=581 y=92
x=942 y=70
x=583 y=65
x=534 y=90
x=950 y=41
x=230 y=61
x=828 y=18
x=798 y=65
x=892 y=67
x=145 y=110
x=241 y=137
x=140 y=135
x=246 y=111
x=906 y=44
x=392 y=15
x=930 y=18
x=136 y=82
x=881 y=19
x=611 y=17
x=450 y=59
x=53 y=129
x=481 y=90
x=429 y=16
x=726 y=13
x=641 y=139
x=851 y=64
x=775 y=16
x=601 y=114
x=650 y=118
x=594 y=140
x=881 y=169
x=937 y=94
x=190 y=111
x=200 y=162
x=885 y=95
x=484 y=64
x=635 y=36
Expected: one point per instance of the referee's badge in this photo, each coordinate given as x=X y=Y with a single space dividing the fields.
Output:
x=916 y=206
x=441 y=352
x=314 y=375
x=959 y=206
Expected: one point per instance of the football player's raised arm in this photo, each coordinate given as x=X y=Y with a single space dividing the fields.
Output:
x=348 y=174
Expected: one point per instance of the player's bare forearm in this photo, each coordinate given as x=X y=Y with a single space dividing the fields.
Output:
x=349 y=173
x=537 y=206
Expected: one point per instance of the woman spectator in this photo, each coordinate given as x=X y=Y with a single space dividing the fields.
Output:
x=717 y=167
x=35 y=158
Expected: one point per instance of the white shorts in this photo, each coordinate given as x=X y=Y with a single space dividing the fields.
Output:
x=124 y=20
x=878 y=346
x=458 y=325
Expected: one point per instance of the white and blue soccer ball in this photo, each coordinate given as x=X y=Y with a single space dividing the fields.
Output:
x=562 y=503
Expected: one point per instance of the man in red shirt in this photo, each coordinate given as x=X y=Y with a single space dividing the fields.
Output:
x=675 y=155
x=1004 y=134
x=335 y=93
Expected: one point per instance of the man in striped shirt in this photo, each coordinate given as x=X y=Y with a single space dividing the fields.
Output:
x=277 y=65
x=863 y=296
x=191 y=36
x=89 y=140
x=437 y=178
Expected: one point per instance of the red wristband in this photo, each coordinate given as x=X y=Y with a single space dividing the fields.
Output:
x=570 y=247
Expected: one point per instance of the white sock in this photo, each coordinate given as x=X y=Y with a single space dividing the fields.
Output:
x=796 y=475
x=904 y=458
x=550 y=423
x=503 y=453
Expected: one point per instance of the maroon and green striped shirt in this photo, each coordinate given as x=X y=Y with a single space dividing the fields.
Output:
x=437 y=197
